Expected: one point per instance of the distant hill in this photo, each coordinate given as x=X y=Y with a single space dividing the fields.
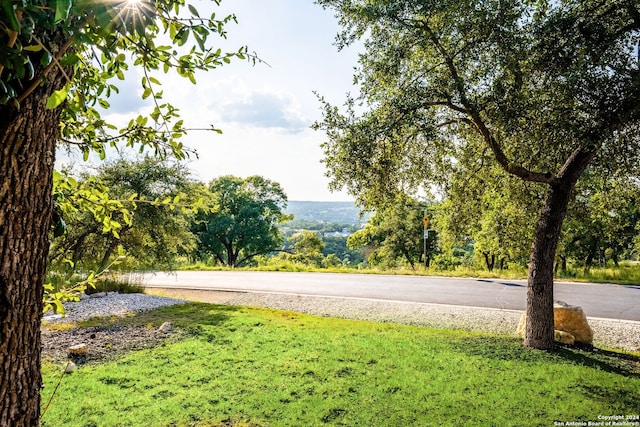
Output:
x=325 y=212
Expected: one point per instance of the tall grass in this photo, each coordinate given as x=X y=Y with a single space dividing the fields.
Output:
x=625 y=274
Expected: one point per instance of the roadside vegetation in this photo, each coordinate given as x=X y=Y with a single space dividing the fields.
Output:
x=158 y=217
x=258 y=367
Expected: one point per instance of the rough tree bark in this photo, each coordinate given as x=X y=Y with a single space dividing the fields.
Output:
x=539 y=333
x=27 y=146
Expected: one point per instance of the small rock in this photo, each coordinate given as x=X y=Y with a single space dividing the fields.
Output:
x=78 y=349
x=98 y=295
x=564 y=337
x=70 y=367
x=166 y=327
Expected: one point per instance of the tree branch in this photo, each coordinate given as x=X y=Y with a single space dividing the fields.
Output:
x=471 y=110
x=65 y=47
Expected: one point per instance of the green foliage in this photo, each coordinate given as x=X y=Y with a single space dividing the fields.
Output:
x=306 y=247
x=492 y=211
x=93 y=45
x=603 y=221
x=539 y=90
x=141 y=206
x=320 y=371
x=395 y=234
x=337 y=246
x=243 y=222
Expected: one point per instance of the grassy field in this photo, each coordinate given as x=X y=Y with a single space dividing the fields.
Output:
x=258 y=367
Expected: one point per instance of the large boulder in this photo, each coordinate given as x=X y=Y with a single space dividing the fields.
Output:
x=571 y=319
x=567 y=320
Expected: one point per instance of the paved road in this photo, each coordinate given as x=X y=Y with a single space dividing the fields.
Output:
x=597 y=300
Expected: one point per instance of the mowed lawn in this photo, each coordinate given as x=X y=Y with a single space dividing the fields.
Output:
x=257 y=367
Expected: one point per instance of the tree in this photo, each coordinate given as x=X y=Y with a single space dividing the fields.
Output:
x=58 y=62
x=243 y=221
x=546 y=88
x=492 y=210
x=602 y=221
x=337 y=246
x=394 y=233
x=307 y=248
x=155 y=232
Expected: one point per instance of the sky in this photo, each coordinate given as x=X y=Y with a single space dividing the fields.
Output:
x=265 y=110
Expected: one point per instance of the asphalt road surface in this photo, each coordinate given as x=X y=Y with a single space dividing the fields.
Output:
x=597 y=300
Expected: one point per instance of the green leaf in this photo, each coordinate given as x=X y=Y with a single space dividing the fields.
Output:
x=46 y=58
x=10 y=13
x=57 y=98
x=33 y=48
x=193 y=11
x=57 y=306
x=62 y=8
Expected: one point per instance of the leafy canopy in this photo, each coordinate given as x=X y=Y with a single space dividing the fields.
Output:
x=94 y=43
x=243 y=222
x=445 y=85
x=143 y=208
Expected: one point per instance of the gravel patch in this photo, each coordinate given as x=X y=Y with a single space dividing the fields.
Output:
x=103 y=342
x=109 y=304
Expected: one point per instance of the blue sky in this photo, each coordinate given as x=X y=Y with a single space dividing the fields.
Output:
x=265 y=111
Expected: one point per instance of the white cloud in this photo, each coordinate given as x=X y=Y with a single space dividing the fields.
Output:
x=265 y=110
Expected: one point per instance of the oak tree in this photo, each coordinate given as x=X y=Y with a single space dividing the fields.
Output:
x=395 y=234
x=153 y=228
x=545 y=88
x=60 y=60
x=242 y=221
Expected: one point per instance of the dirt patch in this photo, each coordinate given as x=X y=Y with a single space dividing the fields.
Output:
x=211 y=297
x=103 y=342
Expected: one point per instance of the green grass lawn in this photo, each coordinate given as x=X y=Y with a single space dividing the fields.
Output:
x=258 y=367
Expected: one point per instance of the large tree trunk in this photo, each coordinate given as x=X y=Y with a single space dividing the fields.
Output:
x=27 y=147
x=539 y=333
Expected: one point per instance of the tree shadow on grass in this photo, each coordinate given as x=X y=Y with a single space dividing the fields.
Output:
x=186 y=316
x=504 y=348
x=624 y=364
x=614 y=398
x=200 y=313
